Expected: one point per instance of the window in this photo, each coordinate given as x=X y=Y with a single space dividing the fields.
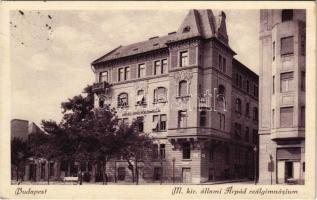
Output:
x=183 y=58
x=141 y=70
x=121 y=173
x=237 y=130
x=247 y=109
x=287 y=82
x=303 y=45
x=160 y=66
x=286 y=116
x=156 y=120
x=221 y=90
x=238 y=105
x=255 y=114
x=155 y=153
x=287 y=15
x=140 y=121
x=157 y=67
x=186 y=29
x=164 y=66
x=255 y=136
x=238 y=80
x=122 y=100
x=157 y=174
x=101 y=102
x=255 y=91
x=224 y=65
x=182 y=119
x=227 y=155
x=182 y=88
x=203 y=118
x=125 y=121
x=220 y=62
x=303 y=81
x=248 y=86
x=163 y=120
x=302 y=116
x=273 y=118
x=211 y=154
x=121 y=74
x=287 y=45
x=140 y=98
x=222 y=119
x=160 y=94
x=162 y=151
x=186 y=151
x=127 y=73
x=159 y=122
x=103 y=76
x=273 y=51
x=273 y=85
x=247 y=134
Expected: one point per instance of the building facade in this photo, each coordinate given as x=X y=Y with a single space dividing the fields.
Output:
x=198 y=102
x=282 y=96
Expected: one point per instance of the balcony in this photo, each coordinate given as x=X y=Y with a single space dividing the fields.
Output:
x=101 y=87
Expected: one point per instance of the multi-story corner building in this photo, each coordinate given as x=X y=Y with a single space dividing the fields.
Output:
x=197 y=101
x=282 y=96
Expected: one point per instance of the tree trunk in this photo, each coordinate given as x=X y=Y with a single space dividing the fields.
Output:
x=68 y=168
x=104 y=171
x=17 y=173
x=136 y=171
x=48 y=172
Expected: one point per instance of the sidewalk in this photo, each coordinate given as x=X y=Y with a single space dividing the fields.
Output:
x=227 y=182
x=236 y=181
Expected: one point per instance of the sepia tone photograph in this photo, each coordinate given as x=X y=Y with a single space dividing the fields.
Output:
x=208 y=97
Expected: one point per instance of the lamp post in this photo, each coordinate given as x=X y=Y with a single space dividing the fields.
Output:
x=173 y=169
x=161 y=170
x=255 y=149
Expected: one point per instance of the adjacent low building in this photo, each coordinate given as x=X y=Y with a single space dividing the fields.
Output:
x=191 y=94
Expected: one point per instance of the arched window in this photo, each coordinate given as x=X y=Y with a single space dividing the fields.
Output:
x=101 y=102
x=123 y=100
x=182 y=88
x=160 y=94
x=287 y=15
x=238 y=105
x=255 y=114
x=140 y=97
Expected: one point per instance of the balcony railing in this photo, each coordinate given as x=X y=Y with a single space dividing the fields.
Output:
x=101 y=87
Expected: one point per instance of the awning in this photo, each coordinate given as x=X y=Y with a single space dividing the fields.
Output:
x=155 y=124
x=140 y=98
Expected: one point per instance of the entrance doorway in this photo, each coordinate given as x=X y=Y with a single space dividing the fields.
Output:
x=186 y=175
x=288 y=171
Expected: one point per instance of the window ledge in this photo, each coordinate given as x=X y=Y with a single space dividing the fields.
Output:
x=187 y=159
x=122 y=107
x=183 y=97
x=157 y=102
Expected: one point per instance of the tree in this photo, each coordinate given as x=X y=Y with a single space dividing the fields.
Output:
x=43 y=146
x=133 y=145
x=20 y=152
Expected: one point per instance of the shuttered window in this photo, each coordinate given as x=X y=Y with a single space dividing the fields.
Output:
x=287 y=82
x=286 y=117
x=287 y=45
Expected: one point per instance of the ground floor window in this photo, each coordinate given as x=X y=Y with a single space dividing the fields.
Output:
x=186 y=151
x=157 y=173
x=121 y=173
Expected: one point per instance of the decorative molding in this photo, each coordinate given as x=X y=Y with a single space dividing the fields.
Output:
x=183 y=75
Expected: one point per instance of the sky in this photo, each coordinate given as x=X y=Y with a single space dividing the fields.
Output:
x=51 y=51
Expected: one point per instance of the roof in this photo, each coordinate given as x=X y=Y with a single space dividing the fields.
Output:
x=236 y=63
x=197 y=23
